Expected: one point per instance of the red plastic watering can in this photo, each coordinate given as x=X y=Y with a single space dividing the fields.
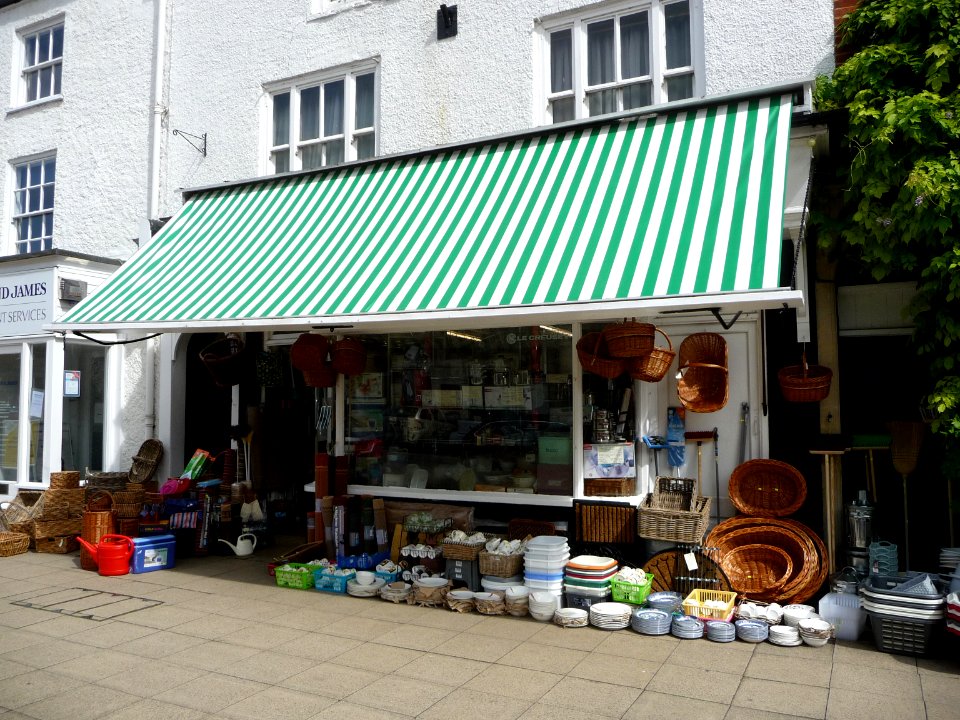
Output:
x=112 y=554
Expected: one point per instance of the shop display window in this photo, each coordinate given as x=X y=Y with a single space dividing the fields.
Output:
x=465 y=410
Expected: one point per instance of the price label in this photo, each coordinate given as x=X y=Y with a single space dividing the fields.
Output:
x=691 y=560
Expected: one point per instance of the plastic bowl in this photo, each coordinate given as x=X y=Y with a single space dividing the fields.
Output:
x=365 y=577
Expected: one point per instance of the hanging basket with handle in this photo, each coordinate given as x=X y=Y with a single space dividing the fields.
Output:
x=629 y=339
x=703 y=386
x=593 y=354
x=653 y=366
x=225 y=360
x=805 y=383
x=348 y=356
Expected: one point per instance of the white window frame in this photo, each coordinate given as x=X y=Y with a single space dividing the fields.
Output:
x=578 y=23
x=15 y=243
x=350 y=134
x=25 y=69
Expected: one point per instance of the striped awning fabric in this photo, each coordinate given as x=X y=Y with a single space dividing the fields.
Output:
x=686 y=204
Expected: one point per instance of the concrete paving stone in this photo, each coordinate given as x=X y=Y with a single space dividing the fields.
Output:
x=26 y=688
x=20 y=589
x=150 y=709
x=399 y=694
x=728 y=657
x=211 y=655
x=255 y=610
x=442 y=669
x=48 y=651
x=98 y=664
x=542 y=711
x=261 y=636
x=938 y=710
x=948 y=665
x=211 y=627
x=359 y=628
x=80 y=703
x=602 y=698
x=389 y=611
x=378 y=658
x=859 y=704
x=14 y=715
x=800 y=652
x=619 y=671
x=742 y=713
x=9 y=668
x=662 y=705
x=339 y=603
x=464 y=703
x=210 y=693
x=111 y=633
x=61 y=626
x=547 y=658
x=415 y=637
x=23 y=617
x=330 y=680
x=150 y=679
x=506 y=626
x=697 y=683
x=163 y=617
x=353 y=711
x=514 y=682
x=781 y=697
x=587 y=638
x=940 y=686
x=268 y=667
x=458 y=622
x=309 y=619
x=174 y=596
x=628 y=645
x=277 y=703
x=882 y=681
x=159 y=644
x=866 y=655
x=28 y=570
x=316 y=646
x=789 y=669
x=477 y=647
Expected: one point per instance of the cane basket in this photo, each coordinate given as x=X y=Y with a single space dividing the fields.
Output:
x=96 y=524
x=680 y=526
x=629 y=339
x=225 y=359
x=767 y=488
x=56 y=528
x=309 y=355
x=757 y=570
x=703 y=386
x=653 y=366
x=605 y=522
x=12 y=543
x=594 y=357
x=66 y=480
x=146 y=461
x=805 y=383
x=57 y=545
x=348 y=356
x=502 y=566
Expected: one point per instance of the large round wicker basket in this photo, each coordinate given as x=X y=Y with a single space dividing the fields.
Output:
x=767 y=488
x=703 y=386
x=595 y=357
x=629 y=339
x=758 y=571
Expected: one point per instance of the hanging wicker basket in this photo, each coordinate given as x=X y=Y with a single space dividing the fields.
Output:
x=629 y=339
x=594 y=357
x=146 y=461
x=348 y=356
x=653 y=366
x=225 y=360
x=703 y=386
x=805 y=383
x=767 y=488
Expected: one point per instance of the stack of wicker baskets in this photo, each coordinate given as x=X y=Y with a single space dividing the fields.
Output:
x=626 y=347
x=55 y=530
x=674 y=512
x=766 y=556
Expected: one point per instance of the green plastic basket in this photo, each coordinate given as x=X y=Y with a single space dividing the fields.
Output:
x=293 y=578
x=630 y=593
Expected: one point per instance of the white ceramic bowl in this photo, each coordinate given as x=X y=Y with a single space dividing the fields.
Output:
x=365 y=577
x=815 y=641
x=517 y=591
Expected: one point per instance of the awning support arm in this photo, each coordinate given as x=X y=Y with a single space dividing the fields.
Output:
x=726 y=325
x=115 y=342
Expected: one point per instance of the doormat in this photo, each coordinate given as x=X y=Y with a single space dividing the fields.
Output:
x=88 y=604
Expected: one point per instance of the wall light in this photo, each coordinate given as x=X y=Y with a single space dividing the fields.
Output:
x=464 y=336
x=555 y=329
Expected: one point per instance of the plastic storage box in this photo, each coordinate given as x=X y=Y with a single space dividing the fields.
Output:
x=629 y=592
x=291 y=576
x=153 y=553
x=843 y=611
x=583 y=601
x=325 y=580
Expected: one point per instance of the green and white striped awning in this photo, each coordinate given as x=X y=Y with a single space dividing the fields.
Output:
x=678 y=210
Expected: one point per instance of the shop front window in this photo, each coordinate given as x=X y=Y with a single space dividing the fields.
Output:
x=9 y=413
x=465 y=410
x=83 y=407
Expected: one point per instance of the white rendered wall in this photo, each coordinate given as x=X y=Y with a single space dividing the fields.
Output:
x=477 y=84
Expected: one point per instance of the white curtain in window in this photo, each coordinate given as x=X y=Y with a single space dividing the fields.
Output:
x=677 y=28
x=634 y=46
x=600 y=53
x=363 y=112
x=333 y=108
x=281 y=119
x=310 y=113
x=561 y=61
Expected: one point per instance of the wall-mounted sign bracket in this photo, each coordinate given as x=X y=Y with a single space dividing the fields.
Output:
x=198 y=142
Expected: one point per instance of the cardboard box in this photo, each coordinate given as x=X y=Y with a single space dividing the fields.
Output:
x=609 y=460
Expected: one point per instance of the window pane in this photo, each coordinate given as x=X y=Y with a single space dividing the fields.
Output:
x=21 y=176
x=602 y=102
x=333 y=109
x=30 y=51
x=48 y=197
x=34 y=203
x=57 y=71
x=561 y=61
x=334 y=152
x=600 y=58
x=677 y=26
x=366 y=146
x=363 y=113
x=562 y=109
x=36 y=226
x=58 y=42
x=35 y=173
x=281 y=119
x=680 y=87
x=19 y=202
x=46 y=80
x=311 y=157
x=23 y=230
x=32 y=86
x=634 y=46
x=310 y=113
x=637 y=95
x=43 y=46
x=48 y=224
x=281 y=161
x=50 y=170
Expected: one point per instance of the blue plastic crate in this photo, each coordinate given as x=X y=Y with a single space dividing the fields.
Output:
x=325 y=581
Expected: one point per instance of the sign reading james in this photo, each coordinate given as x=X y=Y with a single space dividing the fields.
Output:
x=26 y=303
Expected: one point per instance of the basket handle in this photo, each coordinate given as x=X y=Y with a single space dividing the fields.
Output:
x=666 y=337
x=704 y=365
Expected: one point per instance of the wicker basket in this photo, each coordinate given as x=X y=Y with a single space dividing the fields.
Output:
x=757 y=570
x=502 y=566
x=522 y=528
x=26 y=506
x=605 y=522
x=461 y=551
x=12 y=543
x=126 y=497
x=127 y=510
x=54 y=511
x=767 y=488
x=56 y=528
x=128 y=526
x=681 y=526
x=653 y=366
x=73 y=499
x=66 y=480
x=146 y=461
x=672 y=493
x=57 y=545
x=594 y=357
x=96 y=524
x=703 y=385
x=348 y=356
x=629 y=339
x=99 y=500
x=608 y=487
x=309 y=355
x=805 y=383
x=108 y=481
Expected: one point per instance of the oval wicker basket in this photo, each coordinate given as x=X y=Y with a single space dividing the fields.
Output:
x=146 y=461
x=703 y=386
x=594 y=357
x=348 y=356
x=767 y=488
x=805 y=383
x=225 y=360
x=629 y=339
x=757 y=570
x=13 y=543
x=653 y=366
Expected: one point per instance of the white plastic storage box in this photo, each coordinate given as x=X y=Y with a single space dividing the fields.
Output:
x=844 y=612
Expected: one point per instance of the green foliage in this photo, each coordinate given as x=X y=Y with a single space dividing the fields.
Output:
x=901 y=202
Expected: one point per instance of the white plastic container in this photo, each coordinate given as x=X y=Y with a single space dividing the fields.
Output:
x=551 y=586
x=549 y=565
x=843 y=611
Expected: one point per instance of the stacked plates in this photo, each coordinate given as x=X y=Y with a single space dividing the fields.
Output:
x=949 y=557
x=665 y=600
x=542 y=605
x=651 y=622
x=396 y=592
x=686 y=627
x=721 y=631
x=754 y=631
x=570 y=617
x=586 y=580
x=785 y=635
x=610 y=615
x=543 y=563
x=372 y=590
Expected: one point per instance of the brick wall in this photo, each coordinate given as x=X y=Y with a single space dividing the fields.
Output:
x=840 y=9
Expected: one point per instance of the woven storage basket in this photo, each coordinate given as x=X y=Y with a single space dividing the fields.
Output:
x=99 y=500
x=66 y=480
x=225 y=359
x=461 y=551
x=128 y=526
x=348 y=356
x=670 y=493
x=54 y=511
x=703 y=385
x=757 y=570
x=805 y=383
x=126 y=497
x=146 y=462
x=521 y=528
x=74 y=499
x=24 y=527
x=503 y=566
x=12 y=543
x=608 y=487
x=127 y=510
x=653 y=366
x=767 y=488
x=605 y=522
x=96 y=524
x=26 y=506
x=594 y=357
x=56 y=545
x=109 y=481
x=681 y=526
x=56 y=528
x=629 y=339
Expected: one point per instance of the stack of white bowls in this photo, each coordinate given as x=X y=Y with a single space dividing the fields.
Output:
x=793 y=614
x=815 y=632
x=542 y=605
x=543 y=564
x=517 y=599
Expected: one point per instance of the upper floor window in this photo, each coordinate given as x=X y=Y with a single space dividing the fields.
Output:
x=643 y=55
x=324 y=121
x=42 y=63
x=34 y=182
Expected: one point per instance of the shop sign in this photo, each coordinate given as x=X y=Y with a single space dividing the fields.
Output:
x=25 y=302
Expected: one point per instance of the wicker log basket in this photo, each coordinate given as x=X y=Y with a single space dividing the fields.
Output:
x=595 y=357
x=757 y=570
x=703 y=386
x=629 y=339
x=805 y=383
x=653 y=366
x=767 y=488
